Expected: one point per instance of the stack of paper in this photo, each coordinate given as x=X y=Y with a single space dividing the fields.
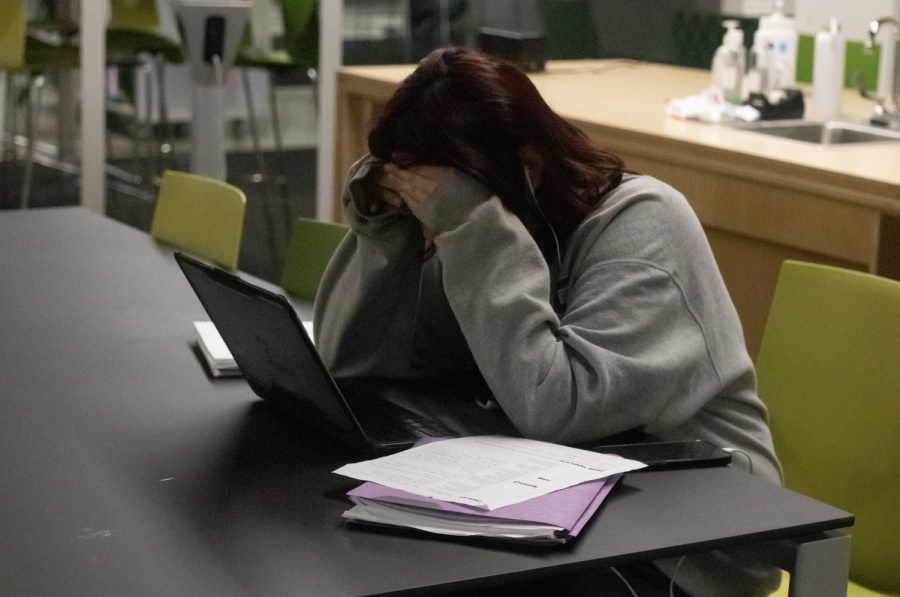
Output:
x=491 y=486
x=214 y=350
x=552 y=518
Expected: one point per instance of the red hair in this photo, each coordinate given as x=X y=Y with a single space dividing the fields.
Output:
x=470 y=111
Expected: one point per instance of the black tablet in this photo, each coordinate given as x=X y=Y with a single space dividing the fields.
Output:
x=669 y=455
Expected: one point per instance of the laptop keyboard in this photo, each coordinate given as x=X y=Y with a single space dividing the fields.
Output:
x=386 y=423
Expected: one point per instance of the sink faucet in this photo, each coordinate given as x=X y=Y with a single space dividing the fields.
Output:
x=887 y=109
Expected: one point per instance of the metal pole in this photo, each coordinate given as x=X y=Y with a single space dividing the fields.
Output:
x=330 y=59
x=93 y=116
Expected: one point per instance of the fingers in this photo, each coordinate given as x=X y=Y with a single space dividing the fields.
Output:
x=392 y=198
x=429 y=233
x=423 y=174
x=412 y=185
x=424 y=178
x=382 y=193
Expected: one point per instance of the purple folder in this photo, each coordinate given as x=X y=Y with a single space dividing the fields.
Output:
x=568 y=508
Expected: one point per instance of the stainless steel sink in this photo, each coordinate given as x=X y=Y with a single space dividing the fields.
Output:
x=823 y=133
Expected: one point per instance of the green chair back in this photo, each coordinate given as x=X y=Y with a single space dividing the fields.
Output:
x=199 y=215
x=301 y=31
x=829 y=371
x=134 y=29
x=310 y=249
x=134 y=15
x=12 y=34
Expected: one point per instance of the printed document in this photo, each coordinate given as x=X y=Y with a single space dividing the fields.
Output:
x=487 y=472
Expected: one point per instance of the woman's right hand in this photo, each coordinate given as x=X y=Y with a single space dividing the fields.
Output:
x=380 y=193
x=403 y=189
x=412 y=185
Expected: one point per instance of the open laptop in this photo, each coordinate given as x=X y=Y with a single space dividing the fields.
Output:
x=280 y=362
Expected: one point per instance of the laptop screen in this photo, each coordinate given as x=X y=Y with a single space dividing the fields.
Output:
x=269 y=344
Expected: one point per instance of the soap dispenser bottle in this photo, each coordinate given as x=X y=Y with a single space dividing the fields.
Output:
x=728 y=63
x=828 y=71
x=757 y=79
x=777 y=37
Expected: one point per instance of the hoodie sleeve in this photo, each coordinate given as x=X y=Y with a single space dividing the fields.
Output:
x=630 y=349
x=369 y=287
x=380 y=309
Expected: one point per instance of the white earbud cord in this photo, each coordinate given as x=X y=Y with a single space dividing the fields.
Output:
x=672 y=580
x=627 y=584
x=540 y=211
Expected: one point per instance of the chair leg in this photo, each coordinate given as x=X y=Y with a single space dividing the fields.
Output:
x=313 y=75
x=167 y=148
x=262 y=176
x=5 y=108
x=148 y=154
x=137 y=126
x=281 y=180
x=67 y=115
x=3 y=118
x=34 y=107
x=18 y=96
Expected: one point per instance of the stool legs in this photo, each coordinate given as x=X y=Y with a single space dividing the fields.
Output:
x=262 y=176
x=35 y=91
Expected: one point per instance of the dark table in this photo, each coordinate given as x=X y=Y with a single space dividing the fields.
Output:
x=126 y=470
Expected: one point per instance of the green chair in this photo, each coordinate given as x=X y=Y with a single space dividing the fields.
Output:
x=829 y=371
x=12 y=34
x=202 y=216
x=310 y=249
x=133 y=29
x=300 y=53
x=135 y=42
x=301 y=40
x=12 y=51
x=22 y=53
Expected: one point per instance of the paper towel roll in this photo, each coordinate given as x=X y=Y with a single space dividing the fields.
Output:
x=828 y=71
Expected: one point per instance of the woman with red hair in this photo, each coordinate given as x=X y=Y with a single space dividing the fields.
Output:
x=489 y=235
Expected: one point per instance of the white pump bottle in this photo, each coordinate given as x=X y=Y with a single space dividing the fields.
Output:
x=728 y=63
x=777 y=37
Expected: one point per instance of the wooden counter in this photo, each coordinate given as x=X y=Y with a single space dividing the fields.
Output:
x=761 y=199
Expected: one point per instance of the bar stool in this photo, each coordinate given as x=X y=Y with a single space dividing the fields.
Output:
x=31 y=57
x=300 y=53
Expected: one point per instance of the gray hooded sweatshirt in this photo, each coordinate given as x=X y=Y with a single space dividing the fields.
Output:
x=644 y=334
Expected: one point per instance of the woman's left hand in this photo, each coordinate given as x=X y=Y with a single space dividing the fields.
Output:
x=413 y=185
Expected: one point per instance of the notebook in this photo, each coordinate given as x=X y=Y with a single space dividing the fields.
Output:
x=215 y=352
x=272 y=348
